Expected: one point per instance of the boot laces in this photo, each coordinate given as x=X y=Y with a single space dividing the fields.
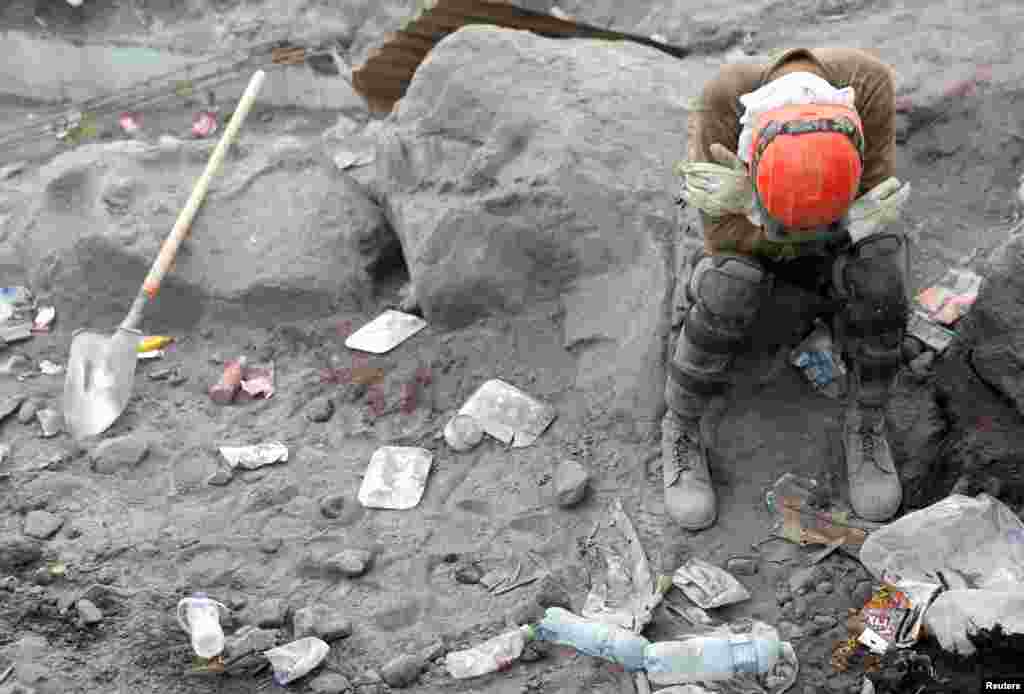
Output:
x=687 y=448
x=869 y=431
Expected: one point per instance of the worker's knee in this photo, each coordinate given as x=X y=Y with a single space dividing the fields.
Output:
x=873 y=280
x=726 y=293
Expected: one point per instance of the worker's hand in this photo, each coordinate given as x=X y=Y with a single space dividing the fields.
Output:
x=872 y=212
x=718 y=189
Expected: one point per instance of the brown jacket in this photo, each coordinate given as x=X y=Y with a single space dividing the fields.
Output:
x=718 y=120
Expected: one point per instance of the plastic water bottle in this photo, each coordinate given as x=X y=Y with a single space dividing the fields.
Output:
x=593 y=638
x=490 y=656
x=707 y=659
x=201 y=620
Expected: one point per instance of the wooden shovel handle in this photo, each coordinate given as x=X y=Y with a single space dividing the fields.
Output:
x=163 y=262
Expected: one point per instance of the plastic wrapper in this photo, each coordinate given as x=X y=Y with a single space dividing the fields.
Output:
x=709 y=586
x=894 y=616
x=256 y=456
x=956 y=614
x=951 y=297
x=821 y=364
x=297 y=659
x=204 y=124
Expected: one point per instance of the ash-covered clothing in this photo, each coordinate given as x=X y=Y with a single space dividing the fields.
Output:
x=717 y=119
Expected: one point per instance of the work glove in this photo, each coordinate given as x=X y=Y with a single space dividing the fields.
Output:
x=718 y=189
x=872 y=212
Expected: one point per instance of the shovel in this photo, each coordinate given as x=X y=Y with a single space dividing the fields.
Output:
x=101 y=369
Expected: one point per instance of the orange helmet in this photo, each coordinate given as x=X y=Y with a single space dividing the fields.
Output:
x=806 y=163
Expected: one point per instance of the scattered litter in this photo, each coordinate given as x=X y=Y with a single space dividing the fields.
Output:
x=296 y=659
x=130 y=122
x=711 y=656
x=199 y=617
x=396 y=477
x=153 y=354
x=709 y=586
x=817 y=358
x=463 y=433
x=968 y=547
x=626 y=594
x=385 y=332
x=934 y=336
x=17 y=305
x=508 y=414
x=804 y=516
x=154 y=343
x=894 y=615
x=490 y=656
x=204 y=124
x=49 y=368
x=225 y=390
x=256 y=456
x=345 y=160
x=51 y=421
x=43 y=320
x=951 y=297
x=257 y=381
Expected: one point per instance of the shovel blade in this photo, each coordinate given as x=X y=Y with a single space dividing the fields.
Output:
x=100 y=376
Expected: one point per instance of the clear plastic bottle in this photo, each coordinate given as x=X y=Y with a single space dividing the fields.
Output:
x=708 y=659
x=201 y=620
x=490 y=656
x=592 y=638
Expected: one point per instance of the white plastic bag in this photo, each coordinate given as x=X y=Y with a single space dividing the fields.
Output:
x=973 y=539
x=296 y=659
x=709 y=586
x=957 y=613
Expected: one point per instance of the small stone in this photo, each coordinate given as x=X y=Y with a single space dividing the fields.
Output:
x=861 y=594
x=8 y=584
x=50 y=421
x=330 y=683
x=351 y=563
x=993 y=486
x=799 y=608
x=332 y=506
x=27 y=411
x=10 y=405
x=250 y=639
x=42 y=525
x=553 y=593
x=432 y=652
x=402 y=671
x=571 y=480
x=320 y=409
x=269 y=614
x=789 y=630
x=270 y=545
x=43 y=576
x=469 y=574
x=782 y=594
x=742 y=566
x=88 y=613
x=801 y=580
x=322 y=622
x=533 y=652
x=825 y=587
x=220 y=478
x=119 y=452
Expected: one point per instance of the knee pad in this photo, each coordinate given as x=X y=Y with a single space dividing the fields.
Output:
x=872 y=280
x=726 y=293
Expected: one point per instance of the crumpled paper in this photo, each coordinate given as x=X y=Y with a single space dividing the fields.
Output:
x=709 y=586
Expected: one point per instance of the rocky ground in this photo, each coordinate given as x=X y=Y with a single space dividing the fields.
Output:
x=527 y=198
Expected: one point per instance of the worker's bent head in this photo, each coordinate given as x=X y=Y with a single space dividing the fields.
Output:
x=806 y=163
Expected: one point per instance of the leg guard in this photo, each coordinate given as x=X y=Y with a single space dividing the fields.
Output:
x=872 y=281
x=725 y=294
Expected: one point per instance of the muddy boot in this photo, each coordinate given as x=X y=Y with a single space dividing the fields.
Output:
x=875 y=489
x=689 y=496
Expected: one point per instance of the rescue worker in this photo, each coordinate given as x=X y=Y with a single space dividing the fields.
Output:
x=809 y=197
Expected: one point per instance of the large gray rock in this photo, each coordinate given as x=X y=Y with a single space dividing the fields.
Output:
x=545 y=173
x=280 y=227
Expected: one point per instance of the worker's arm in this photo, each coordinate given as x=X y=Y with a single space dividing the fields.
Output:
x=717 y=120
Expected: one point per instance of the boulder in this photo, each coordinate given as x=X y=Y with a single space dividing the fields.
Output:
x=501 y=207
x=280 y=227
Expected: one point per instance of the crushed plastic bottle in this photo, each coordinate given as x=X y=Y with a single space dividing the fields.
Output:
x=199 y=616
x=593 y=638
x=712 y=658
x=296 y=659
x=490 y=656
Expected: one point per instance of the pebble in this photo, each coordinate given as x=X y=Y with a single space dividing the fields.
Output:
x=119 y=452
x=552 y=593
x=269 y=614
x=351 y=563
x=332 y=505
x=50 y=421
x=432 y=652
x=861 y=594
x=742 y=566
x=402 y=671
x=9 y=406
x=783 y=594
x=8 y=583
x=27 y=411
x=330 y=683
x=271 y=545
x=42 y=576
x=789 y=630
x=220 y=478
x=799 y=608
x=825 y=587
x=824 y=622
x=571 y=480
x=801 y=580
x=250 y=639
x=88 y=613
x=469 y=574
x=320 y=621
x=42 y=524
x=320 y=409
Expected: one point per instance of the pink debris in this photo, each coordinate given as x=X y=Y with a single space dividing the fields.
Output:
x=204 y=124
x=130 y=122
